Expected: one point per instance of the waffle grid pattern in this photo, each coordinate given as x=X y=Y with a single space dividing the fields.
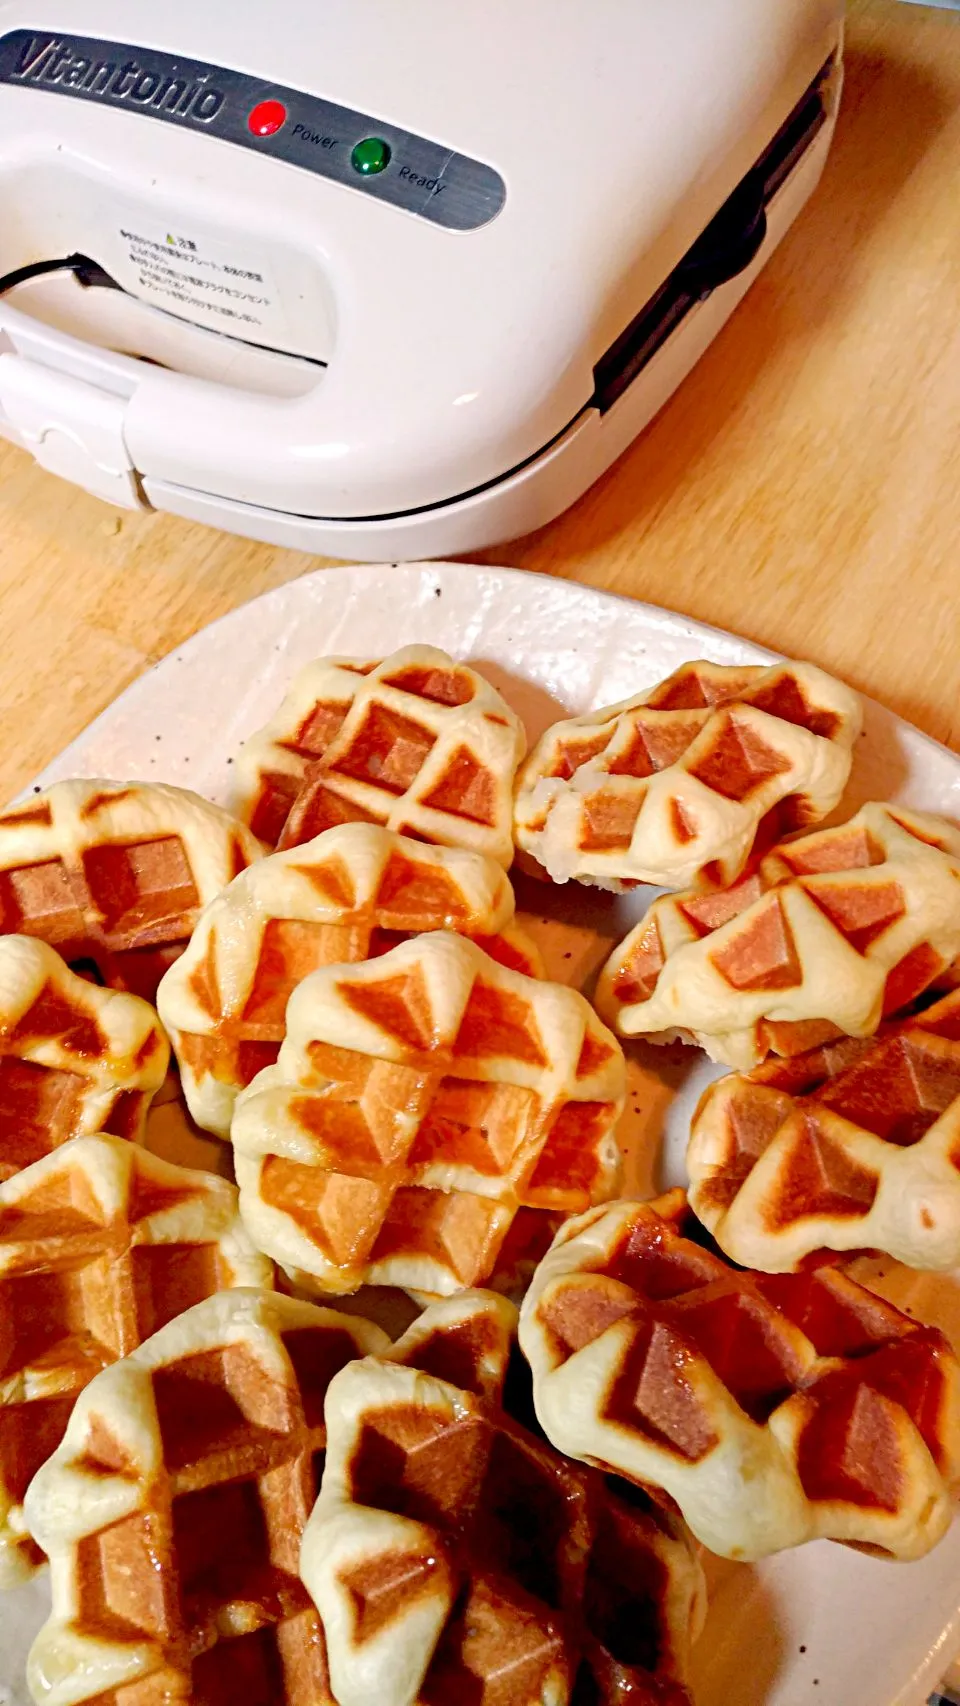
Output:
x=455 y=1557
x=829 y=935
x=676 y=786
x=350 y=895
x=115 y=874
x=418 y=1102
x=74 y=1059
x=416 y=742
x=774 y=1409
x=101 y=1244
x=189 y=1472
x=853 y=1146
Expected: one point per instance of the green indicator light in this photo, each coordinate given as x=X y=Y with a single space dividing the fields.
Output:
x=370 y=156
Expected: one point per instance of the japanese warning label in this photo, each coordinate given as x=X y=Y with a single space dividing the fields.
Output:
x=203 y=280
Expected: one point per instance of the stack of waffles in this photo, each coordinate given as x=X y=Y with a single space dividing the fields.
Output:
x=451 y=1555
x=807 y=958
x=101 y=1242
x=349 y=896
x=243 y=1494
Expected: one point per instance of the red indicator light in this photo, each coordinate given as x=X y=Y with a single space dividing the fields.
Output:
x=267 y=118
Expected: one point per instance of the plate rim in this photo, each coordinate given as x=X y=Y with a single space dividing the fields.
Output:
x=349 y=572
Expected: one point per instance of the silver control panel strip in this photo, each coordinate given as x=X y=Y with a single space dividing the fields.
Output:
x=396 y=166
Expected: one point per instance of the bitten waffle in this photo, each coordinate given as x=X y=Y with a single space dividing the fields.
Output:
x=675 y=786
x=74 y=1058
x=832 y=932
x=100 y=1245
x=456 y=1557
x=348 y=896
x=416 y=742
x=855 y=1145
x=420 y=1100
x=115 y=873
x=173 y=1511
x=774 y=1409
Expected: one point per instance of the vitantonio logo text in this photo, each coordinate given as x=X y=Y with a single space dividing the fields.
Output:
x=154 y=82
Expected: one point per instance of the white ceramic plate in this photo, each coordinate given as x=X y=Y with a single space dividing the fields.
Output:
x=822 y=1626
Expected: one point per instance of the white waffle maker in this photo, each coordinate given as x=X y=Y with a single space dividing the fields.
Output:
x=380 y=279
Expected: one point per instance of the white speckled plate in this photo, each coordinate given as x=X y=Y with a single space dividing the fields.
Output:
x=822 y=1626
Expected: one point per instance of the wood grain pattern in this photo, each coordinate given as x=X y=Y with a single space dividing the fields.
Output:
x=803 y=488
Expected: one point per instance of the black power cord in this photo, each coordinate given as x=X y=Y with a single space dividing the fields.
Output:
x=87 y=272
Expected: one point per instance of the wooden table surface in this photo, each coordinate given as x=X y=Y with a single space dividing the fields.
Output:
x=803 y=488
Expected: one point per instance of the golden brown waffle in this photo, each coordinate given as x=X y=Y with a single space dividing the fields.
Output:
x=114 y=874
x=855 y=1145
x=74 y=1059
x=418 y=1102
x=676 y=786
x=100 y=1245
x=348 y=896
x=173 y=1512
x=416 y=742
x=455 y=1557
x=774 y=1408
x=832 y=933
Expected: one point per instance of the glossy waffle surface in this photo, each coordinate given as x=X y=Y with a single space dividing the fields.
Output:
x=455 y=1557
x=416 y=742
x=74 y=1058
x=115 y=874
x=350 y=895
x=855 y=1145
x=830 y=934
x=773 y=1409
x=675 y=786
x=420 y=1100
x=101 y=1244
x=174 y=1508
